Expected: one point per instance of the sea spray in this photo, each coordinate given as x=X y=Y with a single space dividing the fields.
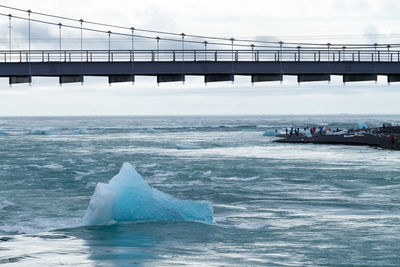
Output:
x=128 y=197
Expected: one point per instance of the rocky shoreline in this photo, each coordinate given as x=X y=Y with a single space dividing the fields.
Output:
x=385 y=138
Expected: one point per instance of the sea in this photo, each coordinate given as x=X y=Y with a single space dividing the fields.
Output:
x=273 y=204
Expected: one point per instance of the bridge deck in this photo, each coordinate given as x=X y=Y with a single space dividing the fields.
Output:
x=217 y=65
x=196 y=68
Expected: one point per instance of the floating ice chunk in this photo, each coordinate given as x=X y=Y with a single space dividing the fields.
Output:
x=187 y=147
x=128 y=197
x=41 y=132
x=79 y=131
x=308 y=134
x=3 y=133
x=342 y=132
x=270 y=133
x=362 y=125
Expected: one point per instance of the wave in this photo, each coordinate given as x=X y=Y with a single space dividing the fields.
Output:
x=187 y=147
x=152 y=129
x=4 y=204
x=78 y=131
x=177 y=129
x=128 y=197
x=149 y=130
x=44 y=131
x=249 y=226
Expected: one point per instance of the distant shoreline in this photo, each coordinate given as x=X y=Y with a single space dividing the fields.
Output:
x=385 y=138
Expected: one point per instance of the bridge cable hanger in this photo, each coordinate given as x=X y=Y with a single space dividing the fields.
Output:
x=265 y=44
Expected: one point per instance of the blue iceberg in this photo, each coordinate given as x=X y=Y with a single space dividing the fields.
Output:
x=3 y=133
x=362 y=125
x=270 y=133
x=44 y=131
x=128 y=197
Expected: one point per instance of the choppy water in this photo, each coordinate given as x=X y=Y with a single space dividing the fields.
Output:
x=274 y=204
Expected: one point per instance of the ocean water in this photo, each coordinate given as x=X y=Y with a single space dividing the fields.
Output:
x=274 y=204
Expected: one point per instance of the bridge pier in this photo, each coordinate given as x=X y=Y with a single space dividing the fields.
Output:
x=209 y=78
x=120 y=78
x=313 y=77
x=71 y=79
x=266 y=78
x=166 y=78
x=359 y=77
x=19 y=79
x=393 y=78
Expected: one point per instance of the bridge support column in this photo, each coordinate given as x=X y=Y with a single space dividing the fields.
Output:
x=166 y=78
x=266 y=78
x=71 y=79
x=20 y=79
x=209 y=78
x=359 y=77
x=313 y=77
x=120 y=78
x=393 y=78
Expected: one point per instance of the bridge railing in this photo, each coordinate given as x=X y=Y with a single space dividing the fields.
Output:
x=287 y=55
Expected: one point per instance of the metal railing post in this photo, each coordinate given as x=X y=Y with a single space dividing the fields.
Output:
x=298 y=49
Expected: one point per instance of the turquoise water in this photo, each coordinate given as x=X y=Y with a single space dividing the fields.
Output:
x=274 y=204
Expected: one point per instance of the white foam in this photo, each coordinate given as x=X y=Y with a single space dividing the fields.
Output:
x=54 y=166
x=217 y=220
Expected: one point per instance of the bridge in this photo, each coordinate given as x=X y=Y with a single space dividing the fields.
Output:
x=262 y=61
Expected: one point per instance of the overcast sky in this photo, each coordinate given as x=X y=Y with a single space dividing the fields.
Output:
x=288 y=20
